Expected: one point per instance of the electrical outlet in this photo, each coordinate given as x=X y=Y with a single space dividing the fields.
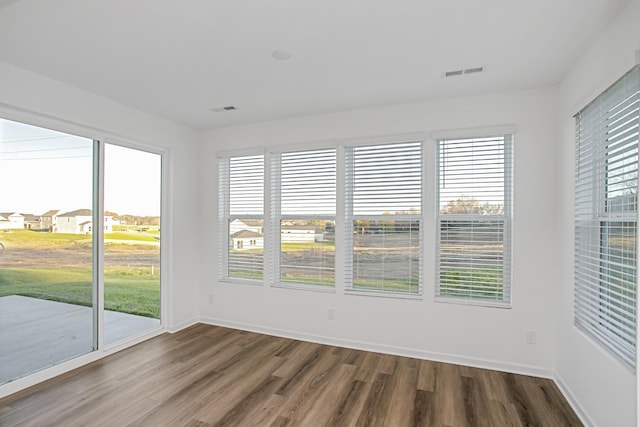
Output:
x=331 y=314
x=531 y=337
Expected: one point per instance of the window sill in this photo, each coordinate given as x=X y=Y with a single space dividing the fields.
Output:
x=476 y=302
x=303 y=287
x=383 y=294
x=242 y=281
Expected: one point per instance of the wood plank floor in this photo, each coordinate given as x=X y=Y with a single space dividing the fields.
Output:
x=213 y=376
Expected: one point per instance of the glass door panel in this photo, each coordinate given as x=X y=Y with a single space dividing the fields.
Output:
x=47 y=295
x=132 y=201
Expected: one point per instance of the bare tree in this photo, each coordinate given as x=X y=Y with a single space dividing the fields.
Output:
x=469 y=205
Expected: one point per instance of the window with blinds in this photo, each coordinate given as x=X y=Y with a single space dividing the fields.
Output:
x=241 y=212
x=383 y=217
x=606 y=212
x=303 y=217
x=474 y=220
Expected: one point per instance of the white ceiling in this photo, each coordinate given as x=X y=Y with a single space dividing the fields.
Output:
x=180 y=58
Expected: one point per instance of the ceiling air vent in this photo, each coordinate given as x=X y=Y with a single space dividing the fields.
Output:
x=474 y=70
x=221 y=109
x=453 y=73
x=465 y=71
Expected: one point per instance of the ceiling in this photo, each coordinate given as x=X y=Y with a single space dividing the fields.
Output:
x=179 y=59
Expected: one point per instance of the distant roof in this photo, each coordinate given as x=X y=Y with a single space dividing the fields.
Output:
x=8 y=214
x=51 y=212
x=77 y=212
x=30 y=217
x=245 y=233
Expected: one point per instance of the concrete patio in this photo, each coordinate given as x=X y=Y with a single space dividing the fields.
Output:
x=36 y=334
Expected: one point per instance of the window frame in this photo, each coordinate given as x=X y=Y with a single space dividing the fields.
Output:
x=350 y=217
x=225 y=217
x=506 y=132
x=593 y=218
x=276 y=217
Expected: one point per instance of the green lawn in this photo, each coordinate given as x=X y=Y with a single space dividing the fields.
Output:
x=129 y=287
x=39 y=240
x=44 y=240
x=454 y=282
x=301 y=246
x=134 y=292
x=136 y=237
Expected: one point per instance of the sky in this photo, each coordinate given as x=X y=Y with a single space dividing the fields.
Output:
x=41 y=170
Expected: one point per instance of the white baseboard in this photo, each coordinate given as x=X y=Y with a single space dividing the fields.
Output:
x=182 y=325
x=575 y=404
x=395 y=350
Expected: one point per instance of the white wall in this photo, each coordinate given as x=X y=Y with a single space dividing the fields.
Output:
x=601 y=386
x=31 y=98
x=473 y=335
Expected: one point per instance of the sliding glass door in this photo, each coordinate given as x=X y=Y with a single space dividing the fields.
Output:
x=77 y=234
x=132 y=190
x=47 y=294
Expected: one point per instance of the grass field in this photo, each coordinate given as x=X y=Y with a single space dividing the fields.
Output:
x=390 y=265
x=44 y=240
x=57 y=267
x=488 y=283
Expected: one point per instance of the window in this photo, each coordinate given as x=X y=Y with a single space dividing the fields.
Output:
x=380 y=229
x=383 y=217
x=242 y=216
x=606 y=210
x=474 y=220
x=303 y=217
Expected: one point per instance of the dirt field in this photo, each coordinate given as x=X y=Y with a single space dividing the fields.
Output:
x=74 y=255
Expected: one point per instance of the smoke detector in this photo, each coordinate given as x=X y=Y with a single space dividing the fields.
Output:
x=281 y=55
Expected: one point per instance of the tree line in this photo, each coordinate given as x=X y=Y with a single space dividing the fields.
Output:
x=128 y=219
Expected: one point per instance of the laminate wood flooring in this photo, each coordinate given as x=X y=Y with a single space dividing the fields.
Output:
x=213 y=376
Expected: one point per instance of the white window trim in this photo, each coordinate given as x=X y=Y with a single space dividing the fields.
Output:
x=587 y=323
x=274 y=217
x=347 y=246
x=224 y=217
x=428 y=218
x=507 y=217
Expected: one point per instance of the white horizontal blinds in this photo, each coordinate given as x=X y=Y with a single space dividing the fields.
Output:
x=308 y=182
x=245 y=217
x=472 y=176
x=246 y=185
x=305 y=217
x=474 y=218
x=387 y=179
x=383 y=207
x=606 y=216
